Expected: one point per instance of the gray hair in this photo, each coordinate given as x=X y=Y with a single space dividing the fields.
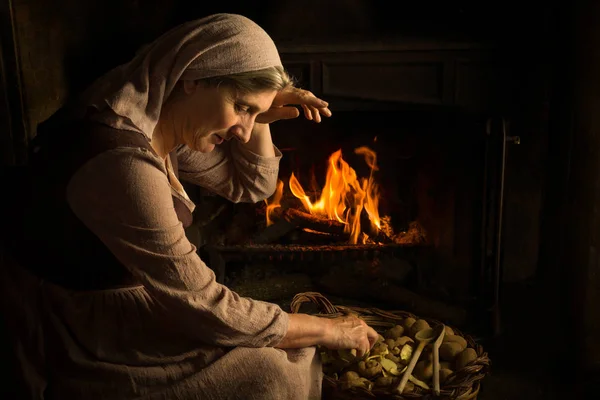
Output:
x=272 y=78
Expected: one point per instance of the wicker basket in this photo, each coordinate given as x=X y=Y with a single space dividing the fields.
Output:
x=463 y=384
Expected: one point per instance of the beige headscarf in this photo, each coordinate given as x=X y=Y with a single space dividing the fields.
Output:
x=131 y=96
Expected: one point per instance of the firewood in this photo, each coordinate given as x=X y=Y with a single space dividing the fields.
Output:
x=310 y=237
x=274 y=231
x=314 y=222
x=374 y=234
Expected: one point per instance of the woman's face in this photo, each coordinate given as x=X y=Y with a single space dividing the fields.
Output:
x=204 y=116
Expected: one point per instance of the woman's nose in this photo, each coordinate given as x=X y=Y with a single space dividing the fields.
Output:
x=241 y=132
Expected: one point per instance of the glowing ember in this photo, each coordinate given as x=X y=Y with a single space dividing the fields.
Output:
x=343 y=197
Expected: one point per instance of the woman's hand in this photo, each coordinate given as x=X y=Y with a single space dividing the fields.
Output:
x=284 y=102
x=338 y=333
x=349 y=333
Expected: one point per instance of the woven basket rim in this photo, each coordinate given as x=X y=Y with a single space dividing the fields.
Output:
x=458 y=386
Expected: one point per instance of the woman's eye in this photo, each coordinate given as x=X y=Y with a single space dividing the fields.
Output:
x=240 y=108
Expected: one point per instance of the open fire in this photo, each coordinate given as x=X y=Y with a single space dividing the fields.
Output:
x=346 y=205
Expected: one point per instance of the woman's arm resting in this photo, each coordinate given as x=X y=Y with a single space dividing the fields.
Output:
x=260 y=142
x=347 y=332
x=303 y=331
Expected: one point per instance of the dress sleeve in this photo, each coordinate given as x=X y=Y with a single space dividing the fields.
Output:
x=231 y=171
x=123 y=196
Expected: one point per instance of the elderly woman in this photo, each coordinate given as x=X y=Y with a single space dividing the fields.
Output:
x=115 y=303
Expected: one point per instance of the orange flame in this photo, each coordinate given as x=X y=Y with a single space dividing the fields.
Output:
x=275 y=201
x=344 y=195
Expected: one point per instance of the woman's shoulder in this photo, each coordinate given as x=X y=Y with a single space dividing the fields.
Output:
x=107 y=145
x=71 y=144
x=94 y=138
x=111 y=164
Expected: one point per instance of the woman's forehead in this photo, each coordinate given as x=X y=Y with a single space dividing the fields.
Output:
x=259 y=100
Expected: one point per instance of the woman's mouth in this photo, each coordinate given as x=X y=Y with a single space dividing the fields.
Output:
x=218 y=139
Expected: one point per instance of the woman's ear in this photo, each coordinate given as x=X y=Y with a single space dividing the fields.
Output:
x=189 y=87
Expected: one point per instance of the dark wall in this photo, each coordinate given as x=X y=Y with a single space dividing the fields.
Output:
x=63 y=45
x=570 y=239
x=580 y=259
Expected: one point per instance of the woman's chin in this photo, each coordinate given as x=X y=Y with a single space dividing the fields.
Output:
x=203 y=146
x=206 y=147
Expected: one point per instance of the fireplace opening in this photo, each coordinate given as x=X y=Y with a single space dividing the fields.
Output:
x=424 y=166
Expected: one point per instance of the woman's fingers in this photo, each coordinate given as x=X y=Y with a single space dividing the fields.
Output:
x=325 y=111
x=300 y=96
x=316 y=115
x=363 y=348
x=368 y=338
x=276 y=114
x=314 y=108
x=372 y=335
x=307 y=112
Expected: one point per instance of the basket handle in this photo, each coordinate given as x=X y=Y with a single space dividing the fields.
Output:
x=325 y=306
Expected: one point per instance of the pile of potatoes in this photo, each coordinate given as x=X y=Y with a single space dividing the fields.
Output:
x=384 y=365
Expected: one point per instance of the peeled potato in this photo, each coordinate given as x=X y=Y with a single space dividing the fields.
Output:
x=408 y=322
x=423 y=370
x=444 y=374
x=457 y=339
x=418 y=326
x=406 y=353
x=391 y=367
x=449 y=350
x=448 y=331
x=465 y=357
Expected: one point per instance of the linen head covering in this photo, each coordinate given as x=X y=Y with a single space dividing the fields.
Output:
x=131 y=96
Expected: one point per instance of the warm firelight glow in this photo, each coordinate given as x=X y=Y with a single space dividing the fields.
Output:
x=275 y=202
x=343 y=197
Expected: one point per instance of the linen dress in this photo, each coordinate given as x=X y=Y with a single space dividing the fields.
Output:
x=161 y=327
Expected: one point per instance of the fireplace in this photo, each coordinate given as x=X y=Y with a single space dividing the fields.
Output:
x=439 y=158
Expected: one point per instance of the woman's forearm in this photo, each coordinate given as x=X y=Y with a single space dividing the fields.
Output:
x=260 y=141
x=303 y=331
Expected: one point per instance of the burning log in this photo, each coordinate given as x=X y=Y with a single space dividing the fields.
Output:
x=377 y=235
x=381 y=237
x=313 y=222
x=275 y=231
x=307 y=226
x=353 y=200
x=286 y=220
x=310 y=237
